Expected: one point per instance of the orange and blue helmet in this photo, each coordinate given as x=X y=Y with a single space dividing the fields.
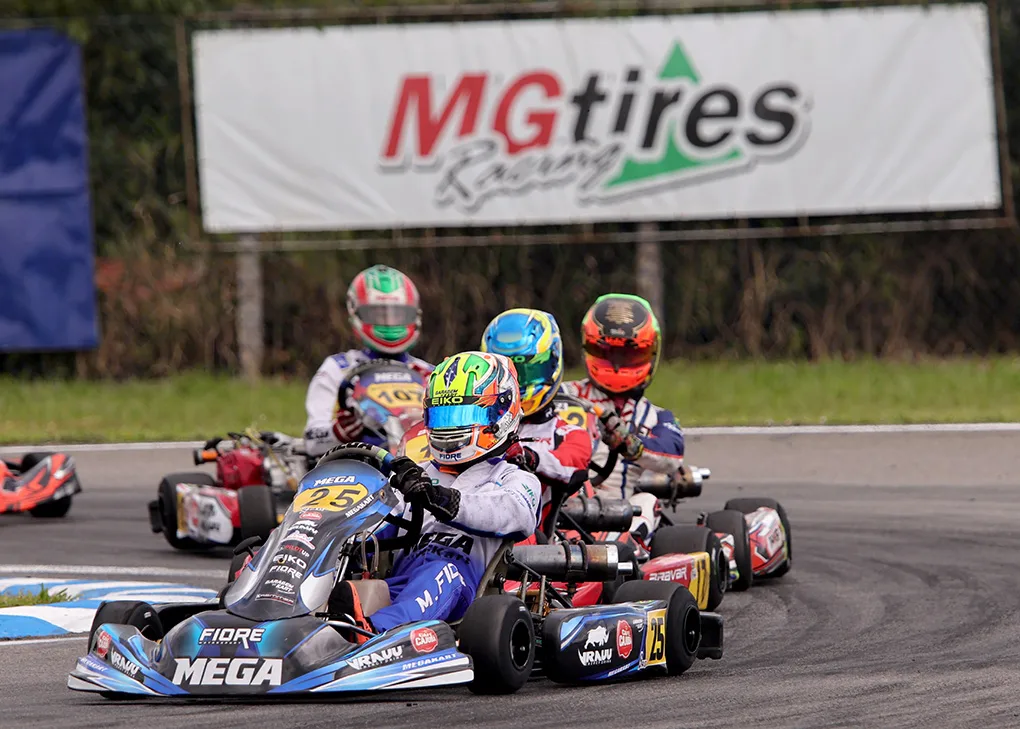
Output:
x=621 y=340
x=531 y=340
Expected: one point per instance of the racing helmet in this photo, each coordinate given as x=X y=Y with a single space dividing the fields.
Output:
x=472 y=407
x=531 y=340
x=385 y=310
x=621 y=340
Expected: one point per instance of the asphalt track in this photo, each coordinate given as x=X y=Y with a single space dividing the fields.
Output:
x=903 y=607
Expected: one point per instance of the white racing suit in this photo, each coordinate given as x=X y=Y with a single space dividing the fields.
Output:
x=663 y=453
x=321 y=402
x=439 y=577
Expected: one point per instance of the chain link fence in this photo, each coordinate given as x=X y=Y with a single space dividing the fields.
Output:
x=862 y=287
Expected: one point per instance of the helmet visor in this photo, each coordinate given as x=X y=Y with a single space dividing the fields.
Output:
x=537 y=373
x=387 y=315
x=620 y=357
x=466 y=415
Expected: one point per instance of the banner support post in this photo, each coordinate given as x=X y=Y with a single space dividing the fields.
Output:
x=649 y=273
x=250 y=344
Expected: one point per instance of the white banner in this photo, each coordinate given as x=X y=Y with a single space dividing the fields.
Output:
x=689 y=117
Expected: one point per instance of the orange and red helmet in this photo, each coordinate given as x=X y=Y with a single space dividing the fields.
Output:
x=621 y=340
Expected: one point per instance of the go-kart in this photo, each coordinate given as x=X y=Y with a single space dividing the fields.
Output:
x=748 y=538
x=256 y=476
x=40 y=483
x=388 y=399
x=268 y=638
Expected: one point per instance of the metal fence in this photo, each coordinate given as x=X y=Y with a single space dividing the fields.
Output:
x=173 y=298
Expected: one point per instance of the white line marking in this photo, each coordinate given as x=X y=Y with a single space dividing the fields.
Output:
x=31 y=570
x=29 y=641
x=765 y=430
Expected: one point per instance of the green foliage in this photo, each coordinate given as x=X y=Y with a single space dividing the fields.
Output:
x=43 y=597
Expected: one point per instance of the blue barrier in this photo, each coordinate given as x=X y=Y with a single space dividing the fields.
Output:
x=47 y=288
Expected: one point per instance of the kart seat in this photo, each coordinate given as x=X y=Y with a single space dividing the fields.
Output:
x=374 y=595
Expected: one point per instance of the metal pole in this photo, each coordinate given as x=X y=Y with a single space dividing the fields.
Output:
x=250 y=343
x=187 y=131
x=649 y=272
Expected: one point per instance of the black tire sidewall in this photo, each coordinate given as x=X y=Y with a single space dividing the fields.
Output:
x=485 y=634
x=257 y=512
x=167 y=497
x=137 y=614
x=680 y=601
x=731 y=521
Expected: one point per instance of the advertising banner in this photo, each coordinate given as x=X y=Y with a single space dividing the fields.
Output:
x=657 y=118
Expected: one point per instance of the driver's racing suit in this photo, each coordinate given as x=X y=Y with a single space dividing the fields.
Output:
x=563 y=448
x=663 y=449
x=321 y=402
x=439 y=577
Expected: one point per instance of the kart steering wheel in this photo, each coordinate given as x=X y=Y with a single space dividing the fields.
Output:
x=383 y=461
x=601 y=473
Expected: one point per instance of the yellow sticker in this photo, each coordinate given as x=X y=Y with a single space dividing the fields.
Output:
x=655 y=638
x=575 y=415
x=330 y=498
x=397 y=394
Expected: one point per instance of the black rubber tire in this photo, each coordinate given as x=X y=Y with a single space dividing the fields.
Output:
x=748 y=504
x=689 y=538
x=731 y=521
x=625 y=553
x=31 y=460
x=167 y=497
x=683 y=620
x=498 y=634
x=257 y=510
x=141 y=615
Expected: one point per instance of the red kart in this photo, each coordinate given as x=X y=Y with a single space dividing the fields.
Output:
x=254 y=471
x=40 y=483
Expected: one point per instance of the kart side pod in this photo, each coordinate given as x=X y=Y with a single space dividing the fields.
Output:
x=567 y=562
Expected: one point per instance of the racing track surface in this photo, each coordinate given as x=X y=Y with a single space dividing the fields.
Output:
x=903 y=608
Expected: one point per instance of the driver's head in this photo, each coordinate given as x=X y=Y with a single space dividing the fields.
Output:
x=472 y=407
x=531 y=340
x=384 y=308
x=621 y=340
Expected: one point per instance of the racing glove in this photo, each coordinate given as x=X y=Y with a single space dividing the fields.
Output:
x=347 y=427
x=529 y=459
x=684 y=475
x=417 y=488
x=617 y=435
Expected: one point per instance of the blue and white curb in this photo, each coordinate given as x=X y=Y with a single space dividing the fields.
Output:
x=75 y=616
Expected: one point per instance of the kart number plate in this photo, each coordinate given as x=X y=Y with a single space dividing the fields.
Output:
x=655 y=638
x=396 y=394
x=330 y=498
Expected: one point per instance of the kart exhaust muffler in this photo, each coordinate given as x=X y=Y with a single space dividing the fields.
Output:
x=600 y=515
x=566 y=562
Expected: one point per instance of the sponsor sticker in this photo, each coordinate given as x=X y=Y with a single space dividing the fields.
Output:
x=281 y=586
x=273 y=596
x=334 y=480
x=595 y=658
x=597 y=637
x=228 y=672
x=655 y=638
x=424 y=640
x=123 y=665
x=377 y=658
x=102 y=643
x=624 y=639
x=310 y=515
x=231 y=636
x=674 y=575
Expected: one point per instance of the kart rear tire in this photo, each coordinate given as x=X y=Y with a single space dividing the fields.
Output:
x=257 y=511
x=498 y=634
x=140 y=615
x=167 y=498
x=31 y=460
x=751 y=504
x=683 y=620
x=689 y=538
x=731 y=521
x=625 y=553
x=52 y=509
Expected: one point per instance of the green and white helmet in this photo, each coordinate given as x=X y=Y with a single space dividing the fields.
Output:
x=385 y=309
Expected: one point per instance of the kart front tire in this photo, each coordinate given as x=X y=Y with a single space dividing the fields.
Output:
x=167 y=498
x=689 y=538
x=139 y=615
x=257 y=512
x=498 y=634
x=52 y=509
x=751 y=504
x=731 y=521
x=683 y=620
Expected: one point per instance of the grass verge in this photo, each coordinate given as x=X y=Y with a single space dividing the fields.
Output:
x=43 y=597
x=198 y=406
